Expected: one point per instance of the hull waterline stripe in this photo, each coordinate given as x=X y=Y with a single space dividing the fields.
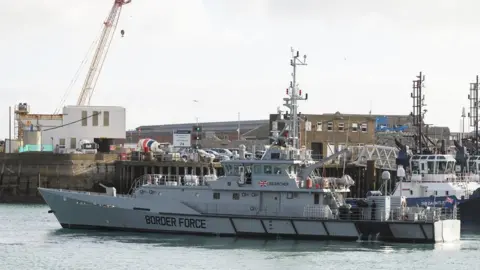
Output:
x=233 y=226
x=423 y=231
x=325 y=227
x=293 y=226
x=263 y=225
x=240 y=234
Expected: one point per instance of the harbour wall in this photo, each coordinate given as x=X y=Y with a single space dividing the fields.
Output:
x=22 y=173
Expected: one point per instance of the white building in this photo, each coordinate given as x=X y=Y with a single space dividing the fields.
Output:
x=100 y=124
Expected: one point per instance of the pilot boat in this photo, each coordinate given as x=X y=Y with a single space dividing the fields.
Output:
x=280 y=195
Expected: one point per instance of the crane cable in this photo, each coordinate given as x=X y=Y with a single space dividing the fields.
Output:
x=77 y=73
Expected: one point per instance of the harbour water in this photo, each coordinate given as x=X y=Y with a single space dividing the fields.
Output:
x=30 y=238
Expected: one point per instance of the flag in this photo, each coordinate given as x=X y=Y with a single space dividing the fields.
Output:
x=263 y=183
x=449 y=200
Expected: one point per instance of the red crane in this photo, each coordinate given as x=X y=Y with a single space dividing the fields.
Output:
x=110 y=24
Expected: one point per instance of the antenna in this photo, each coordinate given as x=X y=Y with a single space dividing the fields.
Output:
x=473 y=114
x=291 y=132
x=295 y=94
x=418 y=113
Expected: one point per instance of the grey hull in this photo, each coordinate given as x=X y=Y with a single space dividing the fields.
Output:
x=75 y=214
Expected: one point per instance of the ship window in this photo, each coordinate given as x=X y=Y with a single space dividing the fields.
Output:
x=431 y=167
x=228 y=169
x=257 y=169
x=436 y=193
x=216 y=195
x=236 y=196
x=289 y=195
x=316 y=198
x=277 y=170
x=415 y=169
x=267 y=169
x=446 y=193
x=411 y=192
x=442 y=167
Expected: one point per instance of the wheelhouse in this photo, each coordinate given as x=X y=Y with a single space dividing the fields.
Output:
x=432 y=164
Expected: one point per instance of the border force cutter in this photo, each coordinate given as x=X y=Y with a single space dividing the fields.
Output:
x=281 y=195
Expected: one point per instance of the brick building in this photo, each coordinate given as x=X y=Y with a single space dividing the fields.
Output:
x=326 y=133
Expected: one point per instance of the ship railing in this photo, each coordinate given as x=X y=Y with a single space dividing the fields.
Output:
x=400 y=214
x=439 y=177
x=170 y=180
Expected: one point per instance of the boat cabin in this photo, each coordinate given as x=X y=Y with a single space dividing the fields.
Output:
x=432 y=167
x=261 y=172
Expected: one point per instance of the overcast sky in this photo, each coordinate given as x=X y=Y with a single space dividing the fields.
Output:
x=233 y=56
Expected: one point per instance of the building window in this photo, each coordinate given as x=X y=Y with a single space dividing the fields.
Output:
x=61 y=142
x=354 y=127
x=330 y=126
x=236 y=196
x=319 y=126
x=341 y=127
x=95 y=118
x=106 y=118
x=84 y=118
x=73 y=143
x=216 y=195
x=363 y=128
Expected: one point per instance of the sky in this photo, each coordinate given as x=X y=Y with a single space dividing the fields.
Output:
x=233 y=57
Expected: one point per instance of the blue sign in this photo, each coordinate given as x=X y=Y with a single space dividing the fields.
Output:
x=443 y=201
x=382 y=125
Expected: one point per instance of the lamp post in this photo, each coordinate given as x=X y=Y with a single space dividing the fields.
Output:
x=400 y=176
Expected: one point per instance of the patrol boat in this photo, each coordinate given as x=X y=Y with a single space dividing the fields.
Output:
x=280 y=195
